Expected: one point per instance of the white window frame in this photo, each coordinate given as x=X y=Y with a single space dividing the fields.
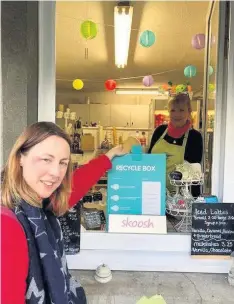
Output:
x=47 y=61
x=228 y=180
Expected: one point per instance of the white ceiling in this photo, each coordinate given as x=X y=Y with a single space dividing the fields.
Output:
x=174 y=24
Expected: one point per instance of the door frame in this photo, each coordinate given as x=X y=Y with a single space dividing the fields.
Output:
x=220 y=101
x=223 y=146
x=47 y=61
x=228 y=180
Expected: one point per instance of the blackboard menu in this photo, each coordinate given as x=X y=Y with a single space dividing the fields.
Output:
x=94 y=219
x=212 y=229
x=70 y=224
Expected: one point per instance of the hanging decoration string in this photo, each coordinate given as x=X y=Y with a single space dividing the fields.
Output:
x=112 y=25
x=119 y=79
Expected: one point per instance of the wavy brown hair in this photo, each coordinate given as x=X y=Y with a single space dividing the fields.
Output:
x=15 y=188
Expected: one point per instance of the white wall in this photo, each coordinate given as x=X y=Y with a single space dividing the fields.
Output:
x=101 y=97
x=65 y=98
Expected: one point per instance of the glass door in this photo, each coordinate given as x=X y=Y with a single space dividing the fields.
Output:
x=212 y=107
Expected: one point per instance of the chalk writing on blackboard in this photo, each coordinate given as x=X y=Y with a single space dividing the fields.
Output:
x=212 y=229
x=70 y=225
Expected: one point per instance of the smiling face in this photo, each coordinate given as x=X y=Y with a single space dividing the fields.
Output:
x=45 y=165
x=179 y=114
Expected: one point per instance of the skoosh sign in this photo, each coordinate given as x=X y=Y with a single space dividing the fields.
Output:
x=137 y=224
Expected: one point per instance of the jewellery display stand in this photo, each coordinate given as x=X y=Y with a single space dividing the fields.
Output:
x=179 y=205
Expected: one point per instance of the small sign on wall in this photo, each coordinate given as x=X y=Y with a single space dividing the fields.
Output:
x=119 y=223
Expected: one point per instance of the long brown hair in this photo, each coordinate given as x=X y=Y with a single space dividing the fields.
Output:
x=15 y=188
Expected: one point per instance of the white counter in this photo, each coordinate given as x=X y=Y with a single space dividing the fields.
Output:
x=134 y=252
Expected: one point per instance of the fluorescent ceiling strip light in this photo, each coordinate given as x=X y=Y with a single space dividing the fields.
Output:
x=138 y=92
x=123 y=24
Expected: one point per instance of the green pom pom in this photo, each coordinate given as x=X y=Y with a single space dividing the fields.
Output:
x=180 y=88
x=88 y=29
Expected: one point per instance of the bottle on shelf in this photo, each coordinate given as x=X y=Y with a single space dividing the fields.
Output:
x=137 y=135
x=143 y=141
x=114 y=135
x=121 y=139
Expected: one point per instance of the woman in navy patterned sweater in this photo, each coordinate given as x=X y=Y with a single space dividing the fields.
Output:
x=32 y=253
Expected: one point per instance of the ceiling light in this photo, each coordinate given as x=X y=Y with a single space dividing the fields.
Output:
x=123 y=24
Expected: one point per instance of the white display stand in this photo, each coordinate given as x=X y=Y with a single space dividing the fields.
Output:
x=184 y=210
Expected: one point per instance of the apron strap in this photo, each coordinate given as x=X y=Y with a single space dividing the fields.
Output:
x=185 y=138
x=164 y=133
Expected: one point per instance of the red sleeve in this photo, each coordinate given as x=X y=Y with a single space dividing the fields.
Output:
x=14 y=261
x=87 y=176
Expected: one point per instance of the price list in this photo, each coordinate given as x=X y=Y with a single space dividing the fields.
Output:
x=70 y=225
x=212 y=229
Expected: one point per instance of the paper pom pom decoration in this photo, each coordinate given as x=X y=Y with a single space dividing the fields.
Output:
x=180 y=88
x=190 y=71
x=176 y=89
x=161 y=90
x=211 y=87
x=78 y=84
x=110 y=84
x=198 y=41
x=88 y=29
x=172 y=90
x=147 y=39
x=189 y=88
x=148 y=81
x=210 y=70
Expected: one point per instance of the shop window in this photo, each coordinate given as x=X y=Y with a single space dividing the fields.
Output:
x=97 y=118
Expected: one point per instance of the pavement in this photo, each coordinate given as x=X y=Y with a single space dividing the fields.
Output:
x=176 y=288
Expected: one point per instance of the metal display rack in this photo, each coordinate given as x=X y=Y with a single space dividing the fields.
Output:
x=179 y=205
